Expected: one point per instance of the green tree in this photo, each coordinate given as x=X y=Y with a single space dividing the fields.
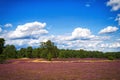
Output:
x=49 y=47
x=62 y=54
x=49 y=56
x=35 y=53
x=2 y=42
x=22 y=53
x=10 y=51
x=44 y=53
x=111 y=58
x=2 y=58
x=117 y=55
x=29 y=52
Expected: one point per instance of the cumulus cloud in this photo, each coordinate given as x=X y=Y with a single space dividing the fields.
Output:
x=79 y=44
x=29 y=42
x=81 y=33
x=115 y=4
x=78 y=33
x=108 y=29
x=33 y=29
x=8 y=25
x=110 y=45
x=115 y=45
x=63 y=41
x=80 y=38
x=0 y=29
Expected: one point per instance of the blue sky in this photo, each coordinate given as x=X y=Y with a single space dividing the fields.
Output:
x=70 y=24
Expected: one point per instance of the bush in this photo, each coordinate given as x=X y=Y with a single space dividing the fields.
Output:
x=49 y=56
x=110 y=57
x=2 y=59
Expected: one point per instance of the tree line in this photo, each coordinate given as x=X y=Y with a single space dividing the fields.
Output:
x=48 y=50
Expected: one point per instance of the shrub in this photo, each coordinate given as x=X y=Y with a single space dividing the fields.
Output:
x=49 y=56
x=2 y=59
x=110 y=57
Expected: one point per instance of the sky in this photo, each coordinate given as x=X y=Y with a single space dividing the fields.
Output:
x=70 y=24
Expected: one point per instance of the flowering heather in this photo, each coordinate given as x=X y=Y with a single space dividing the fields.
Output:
x=84 y=69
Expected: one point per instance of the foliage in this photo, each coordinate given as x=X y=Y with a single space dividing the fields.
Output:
x=22 y=53
x=29 y=52
x=2 y=58
x=49 y=56
x=36 y=53
x=87 y=54
x=110 y=57
x=44 y=53
x=10 y=51
x=2 y=42
x=48 y=51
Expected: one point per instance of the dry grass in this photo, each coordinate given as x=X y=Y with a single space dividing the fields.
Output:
x=69 y=61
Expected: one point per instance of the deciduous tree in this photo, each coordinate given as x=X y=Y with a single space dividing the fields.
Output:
x=2 y=42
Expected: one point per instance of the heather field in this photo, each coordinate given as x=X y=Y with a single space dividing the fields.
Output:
x=60 y=69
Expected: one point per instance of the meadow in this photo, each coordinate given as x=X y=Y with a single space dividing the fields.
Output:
x=60 y=69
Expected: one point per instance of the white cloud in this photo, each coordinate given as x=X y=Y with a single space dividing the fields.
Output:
x=18 y=42
x=8 y=25
x=115 y=4
x=29 y=42
x=110 y=45
x=78 y=33
x=81 y=33
x=118 y=39
x=0 y=29
x=62 y=40
x=80 y=38
x=29 y=34
x=92 y=44
x=118 y=19
x=33 y=29
x=79 y=44
x=108 y=29
x=115 y=45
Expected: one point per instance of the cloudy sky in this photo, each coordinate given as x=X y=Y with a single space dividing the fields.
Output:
x=70 y=24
